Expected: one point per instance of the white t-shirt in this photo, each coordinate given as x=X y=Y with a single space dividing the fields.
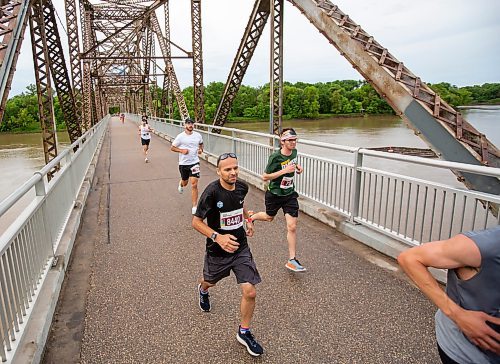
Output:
x=145 y=132
x=190 y=142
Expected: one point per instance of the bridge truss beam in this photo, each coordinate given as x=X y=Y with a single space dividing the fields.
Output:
x=199 y=92
x=253 y=31
x=437 y=123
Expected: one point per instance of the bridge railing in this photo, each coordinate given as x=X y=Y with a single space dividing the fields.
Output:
x=358 y=184
x=28 y=245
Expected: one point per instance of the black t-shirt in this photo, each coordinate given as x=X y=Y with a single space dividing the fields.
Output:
x=223 y=210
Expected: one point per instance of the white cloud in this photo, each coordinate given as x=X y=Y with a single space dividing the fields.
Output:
x=456 y=41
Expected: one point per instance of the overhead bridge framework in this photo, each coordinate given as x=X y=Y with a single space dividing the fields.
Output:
x=446 y=132
x=114 y=62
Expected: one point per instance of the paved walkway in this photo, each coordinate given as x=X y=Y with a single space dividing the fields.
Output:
x=130 y=296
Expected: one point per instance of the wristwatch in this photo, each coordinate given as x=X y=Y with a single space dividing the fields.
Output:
x=214 y=236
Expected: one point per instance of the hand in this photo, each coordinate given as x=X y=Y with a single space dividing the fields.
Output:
x=250 y=229
x=200 y=151
x=289 y=168
x=473 y=325
x=185 y=151
x=227 y=242
x=299 y=169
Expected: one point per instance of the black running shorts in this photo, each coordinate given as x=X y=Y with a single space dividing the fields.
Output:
x=145 y=141
x=241 y=263
x=188 y=171
x=289 y=204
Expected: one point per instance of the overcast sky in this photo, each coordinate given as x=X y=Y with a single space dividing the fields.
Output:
x=455 y=41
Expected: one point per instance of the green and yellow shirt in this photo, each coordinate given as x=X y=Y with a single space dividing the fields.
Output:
x=283 y=185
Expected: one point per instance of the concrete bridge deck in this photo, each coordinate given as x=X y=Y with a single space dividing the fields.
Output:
x=130 y=293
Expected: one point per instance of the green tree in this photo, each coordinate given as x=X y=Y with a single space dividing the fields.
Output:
x=311 y=105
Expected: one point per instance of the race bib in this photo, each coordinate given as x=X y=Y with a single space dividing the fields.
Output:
x=195 y=169
x=231 y=220
x=286 y=182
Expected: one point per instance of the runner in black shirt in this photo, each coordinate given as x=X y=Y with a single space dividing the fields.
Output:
x=222 y=205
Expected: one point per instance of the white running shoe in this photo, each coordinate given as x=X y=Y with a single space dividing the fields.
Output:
x=193 y=210
x=146 y=160
x=180 y=188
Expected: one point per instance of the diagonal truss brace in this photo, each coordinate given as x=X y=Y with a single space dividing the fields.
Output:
x=437 y=123
x=199 y=92
x=253 y=31
x=59 y=71
x=44 y=90
x=169 y=68
x=13 y=21
x=276 y=67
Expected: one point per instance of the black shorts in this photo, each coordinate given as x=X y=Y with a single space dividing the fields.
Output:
x=187 y=171
x=289 y=204
x=145 y=141
x=241 y=263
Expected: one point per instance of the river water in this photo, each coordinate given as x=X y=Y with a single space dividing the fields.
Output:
x=22 y=154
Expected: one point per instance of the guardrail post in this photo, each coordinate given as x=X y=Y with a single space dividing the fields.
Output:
x=208 y=141
x=40 y=190
x=356 y=183
x=233 y=141
x=40 y=186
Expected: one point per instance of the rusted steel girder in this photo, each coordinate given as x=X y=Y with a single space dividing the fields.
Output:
x=74 y=61
x=437 y=123
x=116 y=14
x=59 y=71
x=166 y=95
x=199 y=92
x=181 y=103
x=276 y=67
x=13 y=21
x=41 y=61
x=253 y=31
x=147 y=45
x=85 y=16
x=147 y=12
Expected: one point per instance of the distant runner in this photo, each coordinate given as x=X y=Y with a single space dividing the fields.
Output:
x=280 y=171
x=145 y=132
x=122 y=118
x=189 y=144
x=226 y=246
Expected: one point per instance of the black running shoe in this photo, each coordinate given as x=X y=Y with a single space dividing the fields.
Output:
x=247 y=339
x=204 y=300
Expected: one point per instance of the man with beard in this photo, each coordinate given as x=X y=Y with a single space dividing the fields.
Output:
x=189 y=144
x=226 y=246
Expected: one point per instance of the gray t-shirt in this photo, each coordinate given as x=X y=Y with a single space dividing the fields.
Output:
x=479 y=293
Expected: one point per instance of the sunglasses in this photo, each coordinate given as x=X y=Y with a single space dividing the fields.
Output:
x=226 y=156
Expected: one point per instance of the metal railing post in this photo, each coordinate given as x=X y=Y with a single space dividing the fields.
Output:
x=233 y=141
x=356 y=183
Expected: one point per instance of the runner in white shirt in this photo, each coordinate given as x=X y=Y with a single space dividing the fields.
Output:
x=189 y=144
x=145 y=131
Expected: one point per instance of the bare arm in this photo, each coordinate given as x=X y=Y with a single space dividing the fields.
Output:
x=249 y=222
x=456 y=252
x=179 y=150
x=200 y=148
x=226 y=241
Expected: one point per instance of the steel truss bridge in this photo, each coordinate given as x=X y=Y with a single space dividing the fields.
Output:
x=114 y=61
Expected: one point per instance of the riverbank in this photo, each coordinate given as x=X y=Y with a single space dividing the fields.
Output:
x=242 y=119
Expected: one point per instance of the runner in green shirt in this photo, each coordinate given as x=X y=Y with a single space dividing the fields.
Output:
x=281 y=194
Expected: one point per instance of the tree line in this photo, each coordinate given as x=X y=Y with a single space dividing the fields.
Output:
x=300 y=101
